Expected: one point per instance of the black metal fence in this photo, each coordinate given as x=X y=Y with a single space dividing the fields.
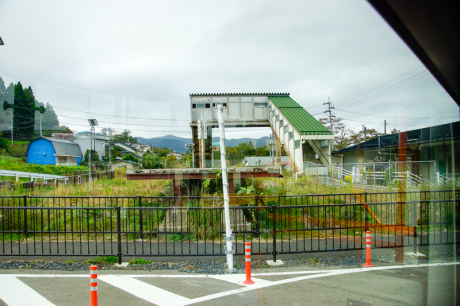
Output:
x=162 y=226
x=215 y=201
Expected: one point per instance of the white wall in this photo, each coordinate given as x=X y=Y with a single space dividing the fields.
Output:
x=85 y=144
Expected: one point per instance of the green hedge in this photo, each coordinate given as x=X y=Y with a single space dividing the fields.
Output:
x=7 y=164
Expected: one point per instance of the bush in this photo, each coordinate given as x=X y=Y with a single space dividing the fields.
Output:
x=17 y=150
x=139 y=261
x=130 y=157
x=102 y=260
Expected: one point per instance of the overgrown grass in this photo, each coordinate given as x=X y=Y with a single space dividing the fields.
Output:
x=17 y=164
x=104 y=187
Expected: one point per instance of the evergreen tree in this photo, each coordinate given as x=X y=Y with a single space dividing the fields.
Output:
x=24 y=110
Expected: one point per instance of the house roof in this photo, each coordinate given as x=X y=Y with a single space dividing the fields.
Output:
x=436 y=133
x=240 y=94
x=98 y=136
x=126 y=161
x=264 y=160
x=302 y=120
x=62 y=147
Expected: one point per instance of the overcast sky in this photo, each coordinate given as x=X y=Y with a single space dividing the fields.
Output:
x=128 y=64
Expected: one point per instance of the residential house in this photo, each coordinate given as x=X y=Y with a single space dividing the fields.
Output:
x=176 y=154
x=84 y=140
x=436 y=144
x=255 y=161
x=127 y=164
x=66 y=136
x=50 y=151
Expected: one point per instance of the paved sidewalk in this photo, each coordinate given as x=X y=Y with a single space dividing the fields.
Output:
x=427 y=284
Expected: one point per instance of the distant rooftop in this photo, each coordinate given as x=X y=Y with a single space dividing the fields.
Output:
x=240 y=94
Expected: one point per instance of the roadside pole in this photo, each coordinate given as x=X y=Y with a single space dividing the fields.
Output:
x=228 y=232
x=110 y=149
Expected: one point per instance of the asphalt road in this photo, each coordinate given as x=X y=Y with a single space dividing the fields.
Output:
x=393 y=285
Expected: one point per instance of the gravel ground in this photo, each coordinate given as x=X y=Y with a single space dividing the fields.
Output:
x=218 y=266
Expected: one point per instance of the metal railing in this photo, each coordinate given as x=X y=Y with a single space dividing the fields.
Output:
x=217 y=201
x=378 y=175
x=154 y=226
x=80 y=178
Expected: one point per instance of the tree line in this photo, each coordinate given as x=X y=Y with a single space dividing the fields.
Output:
x=345 y=137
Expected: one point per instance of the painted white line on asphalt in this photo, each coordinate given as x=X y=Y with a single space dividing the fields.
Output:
x=254 y=274
x=144 y=291
x=301 y=278
x=291 y=273
x=238 y=279
x=15 y=293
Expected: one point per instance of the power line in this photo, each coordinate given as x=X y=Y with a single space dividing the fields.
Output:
x=384 y=91
x=116 y=115
x=383 y=117
x=405 y=73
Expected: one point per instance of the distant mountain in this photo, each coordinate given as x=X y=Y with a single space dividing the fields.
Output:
x=178 y=143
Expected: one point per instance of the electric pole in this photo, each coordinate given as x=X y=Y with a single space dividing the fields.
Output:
x=365 y=132
x=110 y=149
x=11 y=112
x=384 y=127
x=41 y=125
x=331 y=114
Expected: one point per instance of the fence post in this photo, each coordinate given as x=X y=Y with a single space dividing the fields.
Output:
x=141 y=219
x=274 y=231
x=25 y=215
x=389 y=172
x=118 y=210
x=414 y=220
x=366 y=213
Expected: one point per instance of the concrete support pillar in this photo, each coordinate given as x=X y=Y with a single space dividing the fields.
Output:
x=176 y=188
x=196 y=148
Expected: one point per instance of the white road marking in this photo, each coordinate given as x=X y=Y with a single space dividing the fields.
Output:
x=144 y=291
x=15 y=293
x=300 y=278
x=159 y=296
x=238 y=279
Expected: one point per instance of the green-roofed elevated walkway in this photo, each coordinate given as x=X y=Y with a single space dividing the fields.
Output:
x=301 y=136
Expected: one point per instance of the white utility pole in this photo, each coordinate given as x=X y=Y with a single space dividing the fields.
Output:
x=41 y=125
x=89 y=155
x=110 y=149
x=228 y=231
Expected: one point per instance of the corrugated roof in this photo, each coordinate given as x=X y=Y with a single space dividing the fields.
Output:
x=436 y=133
x=284 y=102
x=302 y=120
x=63 y=146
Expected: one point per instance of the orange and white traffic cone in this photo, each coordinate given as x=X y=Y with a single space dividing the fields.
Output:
x=247 y=255
x=368 y=250
x=93 y=286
